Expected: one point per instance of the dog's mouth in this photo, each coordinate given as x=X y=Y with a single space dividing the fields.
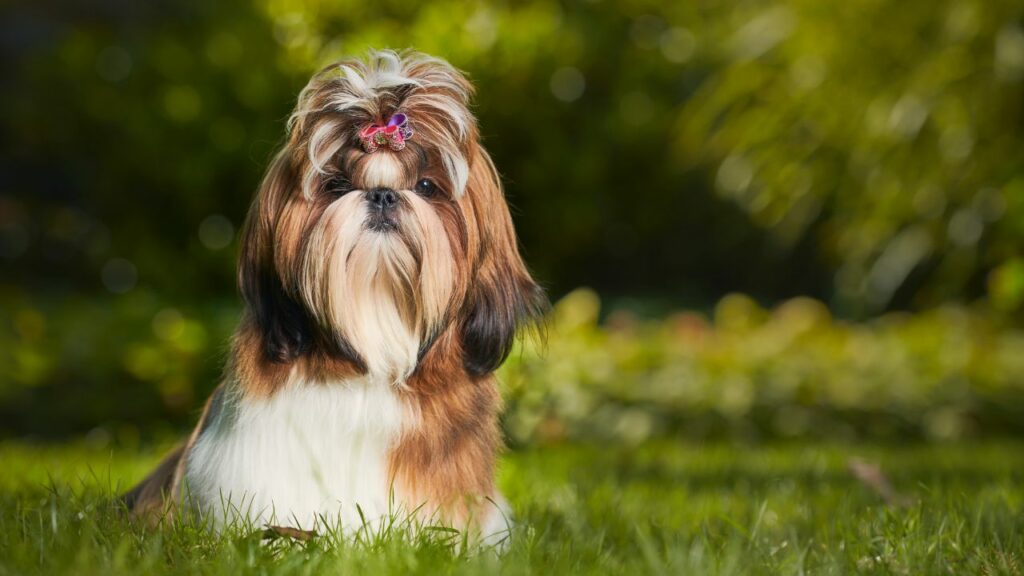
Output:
x=381 y=222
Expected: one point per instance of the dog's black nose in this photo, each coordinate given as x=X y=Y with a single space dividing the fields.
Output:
x=382 y=198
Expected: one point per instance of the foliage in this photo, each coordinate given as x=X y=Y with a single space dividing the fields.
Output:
x=122 y=366
x=663 y=153
x=791 y=371
x=882 y=128
x=669 y=154
x=661 y=508
x=863 y=154
x=132 y=365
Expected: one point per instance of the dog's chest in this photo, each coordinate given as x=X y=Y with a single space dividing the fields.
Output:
x=308 y=453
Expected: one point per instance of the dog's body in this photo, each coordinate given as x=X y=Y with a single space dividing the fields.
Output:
x=383 y=287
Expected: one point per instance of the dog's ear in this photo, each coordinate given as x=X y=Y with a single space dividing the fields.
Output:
x=283 y=324
x=502 y=298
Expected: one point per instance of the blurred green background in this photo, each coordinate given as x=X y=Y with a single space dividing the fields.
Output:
x=758 y=219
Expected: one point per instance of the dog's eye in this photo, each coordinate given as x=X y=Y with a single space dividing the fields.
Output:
x=338 y=185
x=426 y=188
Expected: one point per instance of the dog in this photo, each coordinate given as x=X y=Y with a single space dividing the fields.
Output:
x=382 y=287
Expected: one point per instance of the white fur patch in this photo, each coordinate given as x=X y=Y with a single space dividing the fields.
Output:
x=311 y=452
x=383 y=170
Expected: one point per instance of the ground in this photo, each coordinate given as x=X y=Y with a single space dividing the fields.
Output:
x=662 y=507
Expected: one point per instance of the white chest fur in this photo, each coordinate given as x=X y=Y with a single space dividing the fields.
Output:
x=309 y=452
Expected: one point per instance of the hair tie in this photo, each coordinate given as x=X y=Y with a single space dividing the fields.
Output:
x=393 y=134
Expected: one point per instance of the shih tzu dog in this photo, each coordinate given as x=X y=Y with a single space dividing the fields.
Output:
x=382 y=287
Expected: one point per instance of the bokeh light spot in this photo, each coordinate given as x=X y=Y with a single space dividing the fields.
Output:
x=646 y=31
x=113 y=63
x=1006 y=285
x=965 y=228
x=216 y=232
x=956 y=142
x=762 y=33
x=119 y=275
x=182 y=103
x=807 y=73
x=678 y=45
x=482 y=28
x=907 y=116
x=568 y=84
x=897 y=261
x=734 y=175
x=1010 y=54
x=168 y=324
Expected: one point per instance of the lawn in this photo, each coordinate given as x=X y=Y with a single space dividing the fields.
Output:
x=662 y=507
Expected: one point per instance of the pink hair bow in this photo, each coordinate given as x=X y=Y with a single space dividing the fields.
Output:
x=393 y=134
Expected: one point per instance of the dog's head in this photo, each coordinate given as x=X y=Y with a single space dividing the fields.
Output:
x=381 y=225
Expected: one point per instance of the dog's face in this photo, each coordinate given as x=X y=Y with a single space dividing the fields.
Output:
x=370 y=254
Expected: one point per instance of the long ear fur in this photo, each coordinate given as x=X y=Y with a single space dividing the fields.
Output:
x=282 y=323
x=502 y=297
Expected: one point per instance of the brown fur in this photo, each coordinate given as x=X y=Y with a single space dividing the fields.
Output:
x=447 y=461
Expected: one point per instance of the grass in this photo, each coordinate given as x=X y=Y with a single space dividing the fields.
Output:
x=658 y=508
